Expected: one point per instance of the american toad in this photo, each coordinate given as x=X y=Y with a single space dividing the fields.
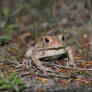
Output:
x=48 y=46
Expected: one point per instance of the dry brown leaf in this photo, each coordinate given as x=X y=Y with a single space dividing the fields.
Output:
x=82 y=66
x=43 y=80
x=21 y=59
x=86 y=82
x=64 y=83
x=41 y=90
x=89 y=62
x=77 y=58
x=63 y=70
x=80 y=80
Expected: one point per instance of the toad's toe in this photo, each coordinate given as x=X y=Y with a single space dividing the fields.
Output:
x=71 y=64
x=27 y=63
x=44 y=69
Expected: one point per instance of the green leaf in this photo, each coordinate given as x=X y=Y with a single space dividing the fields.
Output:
x=22 y=87
x=17 y=88
x=14 y=80
x=12 y=26
x=13 y=83
x=5 y=86
x=2 y=24
x=18 y=81
x=3 y=81
x=1 y=75
x=5 y=37
x=6 y=12
x=12 y=76
x=9 y=86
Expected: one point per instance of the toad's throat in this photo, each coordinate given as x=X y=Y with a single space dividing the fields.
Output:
x=52 y=52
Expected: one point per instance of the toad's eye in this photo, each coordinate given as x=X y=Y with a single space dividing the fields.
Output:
x=63 y=38
x=46 y=40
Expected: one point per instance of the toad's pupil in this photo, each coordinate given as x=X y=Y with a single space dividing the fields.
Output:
x=46 y=40
x=63 y=38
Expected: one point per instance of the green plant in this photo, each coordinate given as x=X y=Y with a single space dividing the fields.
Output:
x=6 y=14
x=5 y=39
x=13 y=83
x=5 y=21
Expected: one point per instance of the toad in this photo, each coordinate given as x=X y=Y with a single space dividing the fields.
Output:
x=48 y=46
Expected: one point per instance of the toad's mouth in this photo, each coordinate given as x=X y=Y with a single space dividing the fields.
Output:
x=54 y=48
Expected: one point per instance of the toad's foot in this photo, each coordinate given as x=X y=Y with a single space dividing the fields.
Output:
x=71 y=64
x=44 y=69
x=27 y=63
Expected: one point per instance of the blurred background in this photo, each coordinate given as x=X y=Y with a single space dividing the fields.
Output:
x=22 y=21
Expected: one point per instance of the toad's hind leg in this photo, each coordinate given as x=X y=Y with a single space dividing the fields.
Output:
x=71 y=57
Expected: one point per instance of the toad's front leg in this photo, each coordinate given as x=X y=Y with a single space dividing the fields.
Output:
x=35 y=59
x=71 y=57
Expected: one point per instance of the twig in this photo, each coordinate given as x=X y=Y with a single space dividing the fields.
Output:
x=15 y=61
x=71 y=67
x=72 y=5
x=46 y=75
x=16 y=11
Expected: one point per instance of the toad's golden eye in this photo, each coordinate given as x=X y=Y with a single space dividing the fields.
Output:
x=63 y=38
x=46 y=40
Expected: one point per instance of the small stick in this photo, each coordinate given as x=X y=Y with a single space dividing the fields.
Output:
x=46 y=75
x=71 y=67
